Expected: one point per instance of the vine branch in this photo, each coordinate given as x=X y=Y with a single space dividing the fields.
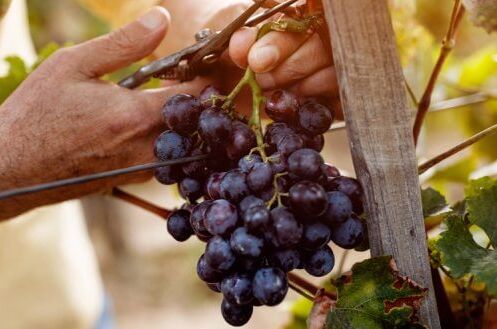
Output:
x=456 y=149
x=125 y=196
x=447 y=46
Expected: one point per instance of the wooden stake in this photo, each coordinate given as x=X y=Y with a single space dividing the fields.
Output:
x=378 y=121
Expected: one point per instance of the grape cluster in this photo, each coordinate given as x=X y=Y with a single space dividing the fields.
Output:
x=263 y=210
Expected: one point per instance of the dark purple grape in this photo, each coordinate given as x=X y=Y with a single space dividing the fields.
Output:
x=289 y=143
x=247 y=162
x=168 y=175
x=267 y=194
x=215 y=126
x=315 y=118
x=305 y=164
x=348 y=234
x=313 y=142
x=308 y=199
x=242 y=140
x=197 y=221
x=286 y=260
x=249 y=202
x=196 y=169
x=190 y=189
x=181 y=113
x=279 y=163
x=218 y=254
x=221 y=218
x=260 y=177
x=237 y=289
x=287 y=230
x=236 y=315
x=257 y=218
x=245 y=244
x=234 y=186
x=178 y=225
x=320 y=262
x=316 y=235
x=282 y=106
x=328 y=173
x=215 y=286
x=207 y=96
x=170 y=145
x=274 y=132
x=352 y=188
x=213 y=185
x=339 y=208
x=270 y=286
x=206 y=273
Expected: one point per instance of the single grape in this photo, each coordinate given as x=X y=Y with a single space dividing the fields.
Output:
x=196 y=169
x=270 y=286
x=313 y=142
x=221 y=218
x=279 y=163
x=274 y=133
x=182 y=112
x=190 y=189
x=328 y=173
x=339 y=208
x=245 y=244
x=242 y=140
x=236 y=315
x=316 y=235
x=218 y=254
x=213 y=185
x=260 y=177
x=208 y=97
x=247 y=162
x=287 y=230
x=257 y=218
x=170 y=145
x=348 y=234
x=286 y=260
x=178 y=225
x=206 y=273
x=320 y=262
x=237 y=289
x=282 y=106
x=249 y=202
x=305 y=164
x=289 y=143
x=234 y=186
x=308 y=199
x=352 y=188
x=197 y=221
x=315 y=118
x=168 y=175
x=215 y=126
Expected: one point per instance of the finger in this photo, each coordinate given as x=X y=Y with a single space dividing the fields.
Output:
x=307 y=60
x=240 y=44
x=273 y=49
x=123 y=46
x=321 y=83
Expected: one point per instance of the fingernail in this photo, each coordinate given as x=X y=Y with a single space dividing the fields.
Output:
x=154 y=18
x=264 y=58
x=266 y=80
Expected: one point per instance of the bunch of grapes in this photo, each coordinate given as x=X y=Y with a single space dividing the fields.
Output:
x=262 y=210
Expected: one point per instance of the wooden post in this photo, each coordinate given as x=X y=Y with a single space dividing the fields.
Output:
x=379 y=125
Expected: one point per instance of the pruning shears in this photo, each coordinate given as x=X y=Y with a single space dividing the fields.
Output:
x=186 y=64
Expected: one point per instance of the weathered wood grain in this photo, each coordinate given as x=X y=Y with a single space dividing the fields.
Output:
x=380 y=133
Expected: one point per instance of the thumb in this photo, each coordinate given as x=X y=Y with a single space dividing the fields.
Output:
x=124 y=46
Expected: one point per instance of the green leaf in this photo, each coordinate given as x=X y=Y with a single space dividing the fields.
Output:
x=433 y=201
x=374 y=296
x=15 y=76
x=481 y=205
x=456 y=249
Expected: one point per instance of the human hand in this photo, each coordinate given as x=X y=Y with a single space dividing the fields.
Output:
x=64 y=121
x=296 y=61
